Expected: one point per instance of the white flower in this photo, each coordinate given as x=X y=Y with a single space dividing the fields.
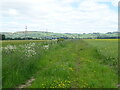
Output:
x=46 y=46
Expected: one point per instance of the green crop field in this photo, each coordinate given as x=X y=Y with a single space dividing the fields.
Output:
x=87 y=63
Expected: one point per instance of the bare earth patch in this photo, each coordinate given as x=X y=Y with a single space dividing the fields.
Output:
x=28 y=83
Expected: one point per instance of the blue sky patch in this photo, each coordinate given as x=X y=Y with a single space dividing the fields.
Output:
x=114 y=8
x=74 y=4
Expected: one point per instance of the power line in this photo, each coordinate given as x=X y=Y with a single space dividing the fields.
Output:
x=26 y=32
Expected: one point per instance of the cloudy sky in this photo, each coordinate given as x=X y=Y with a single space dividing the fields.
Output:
x=73 y=16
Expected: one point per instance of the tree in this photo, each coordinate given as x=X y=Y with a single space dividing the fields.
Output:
x=2 y=37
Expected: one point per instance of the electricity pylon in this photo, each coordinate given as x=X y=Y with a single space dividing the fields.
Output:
x=25 y=32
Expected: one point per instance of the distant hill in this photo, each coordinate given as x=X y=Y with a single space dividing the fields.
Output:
x=51 y=35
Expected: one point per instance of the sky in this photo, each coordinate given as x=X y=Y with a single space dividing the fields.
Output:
x=59 y=16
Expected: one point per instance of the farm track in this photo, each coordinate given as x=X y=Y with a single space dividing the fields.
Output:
x=29 y=82
x=79 y=60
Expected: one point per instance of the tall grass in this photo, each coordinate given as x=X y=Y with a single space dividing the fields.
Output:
x=21 y=60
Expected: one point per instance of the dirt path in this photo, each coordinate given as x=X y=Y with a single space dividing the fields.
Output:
x=28 y=83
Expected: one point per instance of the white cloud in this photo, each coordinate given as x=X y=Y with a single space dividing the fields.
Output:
x=13 y=12
x=59 y=15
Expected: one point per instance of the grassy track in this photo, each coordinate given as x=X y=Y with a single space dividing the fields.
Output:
x=68 y=64
x=74 y=64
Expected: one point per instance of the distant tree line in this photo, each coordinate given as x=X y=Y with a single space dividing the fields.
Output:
x=108 y=37
x=3 y=37
x=43 y=38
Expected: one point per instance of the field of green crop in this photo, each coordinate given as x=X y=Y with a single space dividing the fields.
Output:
x=90 y=63
x=108 y=49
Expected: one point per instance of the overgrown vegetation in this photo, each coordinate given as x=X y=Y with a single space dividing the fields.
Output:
x=66 y=64
x=20 y=60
